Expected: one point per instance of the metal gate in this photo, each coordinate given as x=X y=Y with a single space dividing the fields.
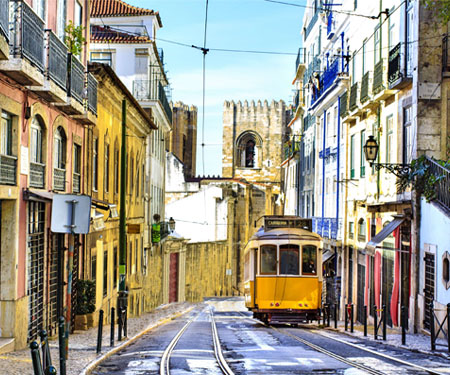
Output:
x=361 y=290
x=173 y=278
x=36 y=246
x=429 y=287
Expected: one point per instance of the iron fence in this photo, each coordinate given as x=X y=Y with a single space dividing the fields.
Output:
x=8 y=170
x=57 y=60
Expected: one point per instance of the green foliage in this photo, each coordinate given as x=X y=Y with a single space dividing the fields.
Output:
x=74 y=38
x=440 y=9
x=421 y=178
x=85 y=300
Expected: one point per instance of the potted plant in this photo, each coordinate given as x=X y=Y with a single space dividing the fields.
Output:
x=84 y=304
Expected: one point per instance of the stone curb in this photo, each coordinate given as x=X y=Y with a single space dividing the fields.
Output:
x=91 y=366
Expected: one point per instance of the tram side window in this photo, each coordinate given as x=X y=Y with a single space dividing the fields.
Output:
x=289 y=260
x=268 y=260
x=309 y=260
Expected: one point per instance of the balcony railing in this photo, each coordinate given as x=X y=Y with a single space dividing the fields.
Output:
x=443 y=185
x=92 y=93
x=298 y=99
x=57 y=60
x=343 y=111
x=76 y=182
x=76 y=79
x=353 y=102
x=59 y=179
x=37 y=175
x=327 y=227
x=8 y=170
x=314 y=66
x=378 y=81
x=152 y=90
x=308 y=122
x=4 y=18
x=300 y=58
x=27 y=34
x=326 y=80
x=394 y=69
x=364 y=96
x=290 y=148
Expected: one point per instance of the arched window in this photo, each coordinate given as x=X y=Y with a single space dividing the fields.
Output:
x=59 y=156
x=248 y=146
x=36 y=141
x=361 y=230
x=250 y=154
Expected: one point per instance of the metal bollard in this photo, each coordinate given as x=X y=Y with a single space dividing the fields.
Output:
x=375 y=322
x=384 y=322
x=125 y=320
x=433 y=338
x=62 y=346
x=448 y=326
x=111 y=340
x=346 y=317
x=335 y=315
x=351 y=317
x=36 y=358
x=119 y=326
x=100 y=331
x=404 y=324
x=365 y=320
x=46 y=359
x=51 y=370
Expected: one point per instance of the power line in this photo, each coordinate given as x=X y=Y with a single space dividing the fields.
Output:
x=205 y=51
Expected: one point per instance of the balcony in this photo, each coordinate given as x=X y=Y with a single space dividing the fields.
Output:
x=343 y=110
x=4 y=29
x=364 y=95
x=397 y=78
x=74 y=103
x=314 y=66
x=55 y=73
x=300 y=58
x=89 y=116
x=59 y=179
x=37 y=175
x=290 y=148
x=380 y=88
x=8 y=170
x=76 y=182
x=152 y=90
x=325 y=81
x=442 y=187
x=327 y=227
x=26 y=45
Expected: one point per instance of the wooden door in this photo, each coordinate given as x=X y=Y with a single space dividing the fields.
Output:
x=173 y=278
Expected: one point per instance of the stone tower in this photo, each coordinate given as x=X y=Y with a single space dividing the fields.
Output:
x=252 y=140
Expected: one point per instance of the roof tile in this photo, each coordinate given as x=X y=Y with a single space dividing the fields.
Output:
x=117 y=8
x=106 y=34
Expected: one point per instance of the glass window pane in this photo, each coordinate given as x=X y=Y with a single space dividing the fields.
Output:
x=289 y=260
x=309 y=260
x=268 y=260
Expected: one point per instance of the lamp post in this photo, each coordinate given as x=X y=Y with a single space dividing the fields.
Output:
x=371 y=151
x=171 y=224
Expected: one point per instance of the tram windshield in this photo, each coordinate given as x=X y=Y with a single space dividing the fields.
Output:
x=289 y=259
x=309 y=260
x=268 y=260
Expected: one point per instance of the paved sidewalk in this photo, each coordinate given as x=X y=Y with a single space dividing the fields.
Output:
x=83 y=344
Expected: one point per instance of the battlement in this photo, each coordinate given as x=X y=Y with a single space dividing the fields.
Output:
x=252 y=106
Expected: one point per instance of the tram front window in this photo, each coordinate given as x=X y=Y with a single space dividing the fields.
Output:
x=309 y=260
x=289 y=262
x=268 y=260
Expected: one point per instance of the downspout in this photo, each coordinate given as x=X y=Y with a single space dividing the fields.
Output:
x=323 y=166
x=338 y=166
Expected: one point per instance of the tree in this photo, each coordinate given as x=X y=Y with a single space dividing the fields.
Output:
x=74 y=38
x=440 y=9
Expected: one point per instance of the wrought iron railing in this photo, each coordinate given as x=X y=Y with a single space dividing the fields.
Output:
x=353 y=102
x=311 y=24
x=27 y=34
x=326 y=227
x=76 y=79
x=300 y=58
x=313 y=66
x=152 y=90
x=57 y=60
x=290 y=148
x=91 y=93
x=76 y=182
x=4 y=18
x=298 y=99
x=343 y=110
x=394 y=68
x=59 y=179
x=378 y=81
x=326 y=80
x=364 y=96
x=37 y=175
x=443 y=184
x=8 y=170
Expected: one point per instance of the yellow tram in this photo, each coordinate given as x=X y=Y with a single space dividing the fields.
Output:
x=283 y=271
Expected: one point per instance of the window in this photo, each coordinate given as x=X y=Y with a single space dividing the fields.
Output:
x=390 y=139
x=247 y=149
x=76 y=178
x=268 y=260
x=289 y=260
x=78 y=15
x=115 y=267
x=116 y=170
x=392 y=32
x=36 y=141
x=351 y=230
x=309 y=260
x=446 y=270
x=361 y=230
x=407 y=135
x=352 y=156
x=105 y=273
x=106 y=167
x=95 y=165
x=6 y=134
x=94 y=267
x=362 y=156
x=102 y=57
x=377 y=44
x=61 y=20
x=59 y=159
x=39 y=8
x=409 y=38
x=131 y=175
x=364 y=57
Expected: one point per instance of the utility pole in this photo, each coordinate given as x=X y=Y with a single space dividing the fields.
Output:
x=122 y=223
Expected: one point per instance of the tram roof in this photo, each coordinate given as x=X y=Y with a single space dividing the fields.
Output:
x=284 y=233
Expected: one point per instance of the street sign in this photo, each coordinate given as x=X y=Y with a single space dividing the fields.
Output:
x=71 y=213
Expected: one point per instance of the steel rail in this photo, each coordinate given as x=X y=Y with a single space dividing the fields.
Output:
x=218 y=349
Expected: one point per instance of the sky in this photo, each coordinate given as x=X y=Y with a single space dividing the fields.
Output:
x=255 y=25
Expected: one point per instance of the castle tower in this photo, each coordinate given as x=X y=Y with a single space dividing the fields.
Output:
x=252 y=140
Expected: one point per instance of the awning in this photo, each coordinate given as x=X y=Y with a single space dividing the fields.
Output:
x=37 y=195
x=327 y=255
x=386 y=231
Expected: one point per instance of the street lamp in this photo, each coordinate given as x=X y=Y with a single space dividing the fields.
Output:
x=371 y=151
x=171 y=224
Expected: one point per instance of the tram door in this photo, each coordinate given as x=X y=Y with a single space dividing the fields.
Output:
x=173 y=278
x=429 y=287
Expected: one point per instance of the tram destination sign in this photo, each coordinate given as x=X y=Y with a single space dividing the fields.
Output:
x=272 y=222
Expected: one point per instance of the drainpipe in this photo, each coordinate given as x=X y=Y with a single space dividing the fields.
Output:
x=338 y=165
x=323 y=166
x=122 y=219
x=342 y=52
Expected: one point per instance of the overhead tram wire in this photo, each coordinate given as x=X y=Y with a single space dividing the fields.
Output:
x=205 y=51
